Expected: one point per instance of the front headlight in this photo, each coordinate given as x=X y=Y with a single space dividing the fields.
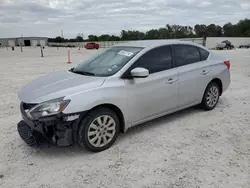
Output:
x=48 y=108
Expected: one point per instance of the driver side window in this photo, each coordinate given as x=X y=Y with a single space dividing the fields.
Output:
x=155 y=60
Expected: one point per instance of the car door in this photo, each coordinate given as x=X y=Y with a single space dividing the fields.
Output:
x=193 y=73
x=157 y=93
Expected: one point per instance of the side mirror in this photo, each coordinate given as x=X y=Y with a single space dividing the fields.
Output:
x=139 y=72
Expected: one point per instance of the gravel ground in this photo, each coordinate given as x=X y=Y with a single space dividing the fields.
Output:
x=188 y=149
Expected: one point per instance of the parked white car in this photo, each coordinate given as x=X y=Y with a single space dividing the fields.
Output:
x=118 y=88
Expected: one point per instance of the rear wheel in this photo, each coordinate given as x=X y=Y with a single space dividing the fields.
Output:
x=98 y=130
x=211 y=96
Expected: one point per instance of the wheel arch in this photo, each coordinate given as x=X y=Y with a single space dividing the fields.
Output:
x=118 y=112
x=219 y=83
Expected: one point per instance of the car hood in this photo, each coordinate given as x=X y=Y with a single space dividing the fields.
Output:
x=56 y=85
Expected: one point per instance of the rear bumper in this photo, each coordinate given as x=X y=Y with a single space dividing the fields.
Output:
x=60 y=130
x=226 y=80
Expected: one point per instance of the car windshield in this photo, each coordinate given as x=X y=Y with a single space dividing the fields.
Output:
x=108 y=62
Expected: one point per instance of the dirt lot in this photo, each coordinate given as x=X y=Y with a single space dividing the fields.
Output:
x=188 y=149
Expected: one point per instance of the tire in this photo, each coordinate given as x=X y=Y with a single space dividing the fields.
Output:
x=98 y=126
x=211 y=96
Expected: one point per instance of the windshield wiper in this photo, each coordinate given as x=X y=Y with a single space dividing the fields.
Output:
x=72 y=69
x=84 y=73
x=81 y=72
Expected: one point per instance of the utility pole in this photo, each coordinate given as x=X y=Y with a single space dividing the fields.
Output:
x=62 y=33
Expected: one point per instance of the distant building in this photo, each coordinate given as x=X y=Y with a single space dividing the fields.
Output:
x=24 y=41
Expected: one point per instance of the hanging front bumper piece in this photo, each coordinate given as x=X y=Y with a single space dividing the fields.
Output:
x=59 y=129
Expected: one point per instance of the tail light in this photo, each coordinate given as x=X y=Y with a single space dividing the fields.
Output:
x=227 y=63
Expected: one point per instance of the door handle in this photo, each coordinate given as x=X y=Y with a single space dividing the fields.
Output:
x=204 y=72
x=170 y=81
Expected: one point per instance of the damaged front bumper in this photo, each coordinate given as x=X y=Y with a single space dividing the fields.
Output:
x=60 y=129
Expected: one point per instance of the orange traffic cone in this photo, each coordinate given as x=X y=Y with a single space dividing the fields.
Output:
x=69 y=62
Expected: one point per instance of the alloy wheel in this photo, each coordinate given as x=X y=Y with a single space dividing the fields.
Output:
x=101 y=131
x=212 y=96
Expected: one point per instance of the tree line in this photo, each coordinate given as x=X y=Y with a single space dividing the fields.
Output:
x=240 y=29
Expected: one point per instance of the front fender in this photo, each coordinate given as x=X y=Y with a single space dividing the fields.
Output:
x=84 y=101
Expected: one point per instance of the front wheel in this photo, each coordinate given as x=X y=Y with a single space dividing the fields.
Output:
x=98 y=129
x=211 y=96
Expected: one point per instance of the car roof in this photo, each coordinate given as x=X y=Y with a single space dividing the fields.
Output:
x=155 y=43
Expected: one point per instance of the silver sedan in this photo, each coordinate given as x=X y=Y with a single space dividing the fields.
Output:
x=118 y=88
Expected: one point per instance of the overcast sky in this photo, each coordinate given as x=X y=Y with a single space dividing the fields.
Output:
x=49 y=17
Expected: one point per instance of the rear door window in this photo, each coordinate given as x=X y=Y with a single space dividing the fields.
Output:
x=186 y=54
x=204 y=54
